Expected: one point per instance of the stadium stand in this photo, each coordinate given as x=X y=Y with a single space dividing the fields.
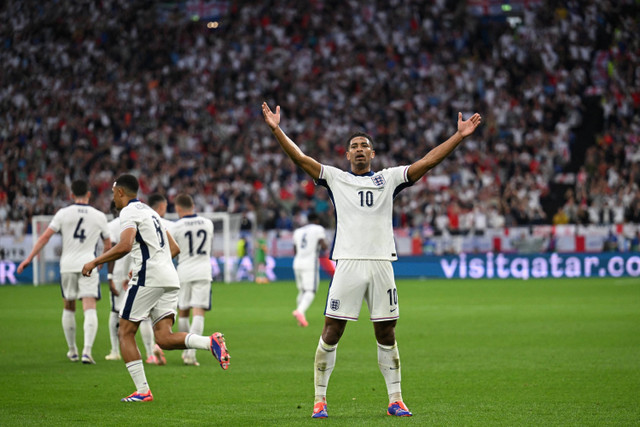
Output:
x=94 y=89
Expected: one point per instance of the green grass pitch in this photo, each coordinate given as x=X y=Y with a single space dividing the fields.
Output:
x=474 y=352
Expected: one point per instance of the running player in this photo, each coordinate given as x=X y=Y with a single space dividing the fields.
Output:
x=194 y=236
x=308 y=241
x=153 y=287
x=81 y=227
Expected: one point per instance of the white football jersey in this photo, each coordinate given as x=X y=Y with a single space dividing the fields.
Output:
x=121 y=266
x=151 y=261
x=82 y=227
x=364 y=211
x=194 y=235
x=306 y=239
x=168 y=225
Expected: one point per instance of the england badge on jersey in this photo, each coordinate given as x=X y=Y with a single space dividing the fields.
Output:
x=334 y=304
x=378 y=180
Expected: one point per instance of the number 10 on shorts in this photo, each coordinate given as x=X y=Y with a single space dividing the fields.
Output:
x=393 y=296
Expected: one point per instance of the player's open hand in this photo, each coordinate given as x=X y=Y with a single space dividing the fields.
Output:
x=467 y=127
x=273 y=120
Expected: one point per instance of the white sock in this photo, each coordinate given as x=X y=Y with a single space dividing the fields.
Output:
x=197 y=326
x=69 y=328
x=305 y=301
x=299 y=297
x=389 y=363
x=114 y=321
x=136 y=370
x=323 y=366
x=90 y=330
x=183 y=324
x=197 y=341
x=146 y=332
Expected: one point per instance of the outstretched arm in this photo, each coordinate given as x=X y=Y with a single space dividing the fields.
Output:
x=308 y=164
x=116 y=252
x=436 y=155
x=40 y=243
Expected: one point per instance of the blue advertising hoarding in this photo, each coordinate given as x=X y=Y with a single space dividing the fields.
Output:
x=463 y=266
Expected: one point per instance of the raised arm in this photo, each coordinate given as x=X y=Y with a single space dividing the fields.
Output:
x=308 y=164
x=436 y=155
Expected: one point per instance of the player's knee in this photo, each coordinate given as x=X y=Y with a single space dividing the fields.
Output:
x=386 y=335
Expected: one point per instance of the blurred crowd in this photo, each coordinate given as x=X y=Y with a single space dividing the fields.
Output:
x=93 y=89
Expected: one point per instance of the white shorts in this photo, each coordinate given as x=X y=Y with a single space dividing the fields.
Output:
x=76 y=286
x=195 y=294
x=117 y=301
x=307 y=279
x=141 y=302
x=358 y=280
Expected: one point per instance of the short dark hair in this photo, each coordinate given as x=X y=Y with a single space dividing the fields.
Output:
x=356 y=134
x=79 y=188
x=155 y=199
x=184 y=201
x=313 y=217
x=128 y=182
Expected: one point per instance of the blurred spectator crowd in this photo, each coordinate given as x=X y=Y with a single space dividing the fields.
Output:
x=93 y=89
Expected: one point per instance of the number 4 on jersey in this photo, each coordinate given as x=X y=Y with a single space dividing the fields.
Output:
x=79 y=233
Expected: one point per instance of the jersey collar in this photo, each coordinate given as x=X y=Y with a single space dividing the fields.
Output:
x=190 y=216
x=370 y=173
x=133 y=201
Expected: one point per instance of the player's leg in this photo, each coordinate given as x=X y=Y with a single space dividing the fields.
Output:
x=299 y=316
x=114 y=321
x=324 y=362
x=200 y=300
x=137 y=305
x=147 y=335
x=383 y=305
x=133 y=361
x=69 y=328
x=184 y=312
x=69 y=289
x=163 y=315
x=89 y=292
x=183 y=326
x=344 y=301
x=90 y=328
x=389 y=363
x=196 y=328
x=307 y=281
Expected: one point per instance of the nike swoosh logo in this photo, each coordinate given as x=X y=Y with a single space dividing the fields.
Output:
x=393 y=309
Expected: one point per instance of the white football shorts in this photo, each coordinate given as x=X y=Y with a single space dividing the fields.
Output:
x=117 y=301
x=307 y=279
x=141 y=302
x=195 y=294
x=75 y=286
x=358 y=280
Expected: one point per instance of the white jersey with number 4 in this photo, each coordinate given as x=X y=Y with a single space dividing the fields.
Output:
x=151 y=261
x=364 y=211
x=82 y=227
x=194 y=235
x=306 y=240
